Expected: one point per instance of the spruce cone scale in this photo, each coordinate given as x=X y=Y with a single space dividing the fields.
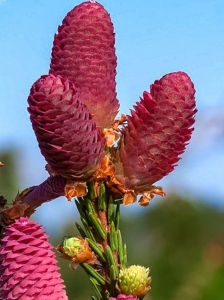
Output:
x=28 y=270
x=66 y=133
x=157 y=132
x=83 y=51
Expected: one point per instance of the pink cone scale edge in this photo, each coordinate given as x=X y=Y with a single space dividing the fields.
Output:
x=67 y=135
x=83 y=51
x=123 y=297
x=157 y=132
x=28 y=270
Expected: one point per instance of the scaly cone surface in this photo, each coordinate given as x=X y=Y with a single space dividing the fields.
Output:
x=157 y=132
x=28 y=270
x=67 y=135
x=124 y=297
x=83 y=51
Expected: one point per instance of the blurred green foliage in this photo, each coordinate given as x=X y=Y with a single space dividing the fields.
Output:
x=182 y=242
x=8 y=175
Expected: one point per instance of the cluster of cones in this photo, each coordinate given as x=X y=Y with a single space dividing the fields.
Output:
x=72 y=111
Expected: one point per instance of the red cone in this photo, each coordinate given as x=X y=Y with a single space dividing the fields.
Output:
x=66 y=133
x=157 y=132
x=84 y=52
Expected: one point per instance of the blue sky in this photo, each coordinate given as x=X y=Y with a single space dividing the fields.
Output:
x=152 y=38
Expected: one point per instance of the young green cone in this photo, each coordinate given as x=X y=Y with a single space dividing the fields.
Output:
x=134 y=281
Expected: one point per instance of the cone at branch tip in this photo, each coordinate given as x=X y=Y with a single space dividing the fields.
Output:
x=134 y=281
x=76 y=249
x=123 y=297
x=157 y=132
x=29 y=269
x=67 y=135
x=83 y=51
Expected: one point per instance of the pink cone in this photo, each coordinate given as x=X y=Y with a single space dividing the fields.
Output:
x=28 y=270
x=84 y=52
x=124 y=297
x=66 y=133
x=157 y=132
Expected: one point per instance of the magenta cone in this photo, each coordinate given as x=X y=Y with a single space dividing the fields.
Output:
x=28 y=270
x=67 y=135
x=157 y=132
x=84 y=52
